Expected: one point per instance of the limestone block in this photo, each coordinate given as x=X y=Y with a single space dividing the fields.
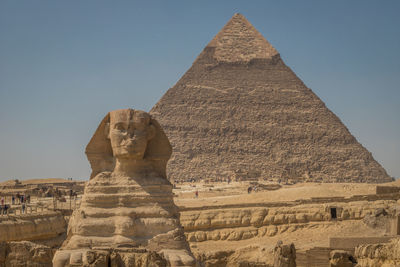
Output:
x=33 y=227
x=382 y=255
x=284 y=255
x=25 y=253
x=272 y=230
x=280 y=219
x=301 y=218
x=257 y=217
x=340 y=258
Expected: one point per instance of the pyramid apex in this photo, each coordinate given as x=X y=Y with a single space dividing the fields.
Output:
x=239 y=41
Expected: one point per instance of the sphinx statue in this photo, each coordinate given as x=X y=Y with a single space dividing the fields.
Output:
x=127 y=216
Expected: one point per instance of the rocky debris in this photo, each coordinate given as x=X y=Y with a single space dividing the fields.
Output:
x=379 y=255
x=264 y=187
x=377 y=219
x=380 y=212
x=240 y=108
x=25 y=254
x=250 y=256
x=110 y=258
x=215 y=258
x=341 y=258
x=284 y=255
x=128 y=202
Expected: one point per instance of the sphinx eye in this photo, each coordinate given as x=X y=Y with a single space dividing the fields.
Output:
x=119 y=126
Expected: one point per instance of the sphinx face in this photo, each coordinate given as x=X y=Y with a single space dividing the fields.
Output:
x=129 y=132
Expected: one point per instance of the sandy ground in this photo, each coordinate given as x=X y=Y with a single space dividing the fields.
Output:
x=236 y=192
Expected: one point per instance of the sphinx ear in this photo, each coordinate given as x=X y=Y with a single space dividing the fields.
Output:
x=107 y=130
x=151 y=132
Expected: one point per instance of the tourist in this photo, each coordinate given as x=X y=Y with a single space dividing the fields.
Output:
x=5 y=209
x=2 y=201
x=23 y=207
x=28 y=199
x=13 y=199
x=249 y=189
x=196 y=193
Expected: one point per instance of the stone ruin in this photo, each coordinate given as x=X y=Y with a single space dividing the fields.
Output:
x=127 y=215
x=240 y=112
x=284 y=255
x=379 y=255
x=341 y=258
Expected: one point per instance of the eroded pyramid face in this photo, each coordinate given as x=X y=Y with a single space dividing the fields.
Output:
x=240 y=112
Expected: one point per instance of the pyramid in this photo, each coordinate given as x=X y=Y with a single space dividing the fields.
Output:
x=239 y=112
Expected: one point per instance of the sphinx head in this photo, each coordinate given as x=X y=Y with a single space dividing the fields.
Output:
x=128 y=135
x=129 y=131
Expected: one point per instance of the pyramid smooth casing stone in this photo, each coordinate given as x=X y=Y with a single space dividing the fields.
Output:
x=128 y=202
x=239 y=111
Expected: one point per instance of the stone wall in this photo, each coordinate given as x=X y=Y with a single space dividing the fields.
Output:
x=222 y=223
x=42 y=226
x=379 y=255
x=25 y=254
x=351 y=242
x=380 y=189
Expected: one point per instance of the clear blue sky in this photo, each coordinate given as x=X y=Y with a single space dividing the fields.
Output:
x=65 y=64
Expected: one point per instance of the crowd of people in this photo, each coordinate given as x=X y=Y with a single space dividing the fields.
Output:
x=17 y=199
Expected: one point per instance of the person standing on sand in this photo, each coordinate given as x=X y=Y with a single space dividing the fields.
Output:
x=5 y=209
x=196 y=193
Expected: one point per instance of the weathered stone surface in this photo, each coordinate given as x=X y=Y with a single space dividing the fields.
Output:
x=284 y=255
x=25 y=254
x=32 y=227
x=340 y=258
x=232 y=224
x=128 y=202
x=378 y=255
x=147 y=259
x=110 y=257
x=240 y=111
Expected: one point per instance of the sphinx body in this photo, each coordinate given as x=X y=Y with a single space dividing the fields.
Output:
x=127 y=209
